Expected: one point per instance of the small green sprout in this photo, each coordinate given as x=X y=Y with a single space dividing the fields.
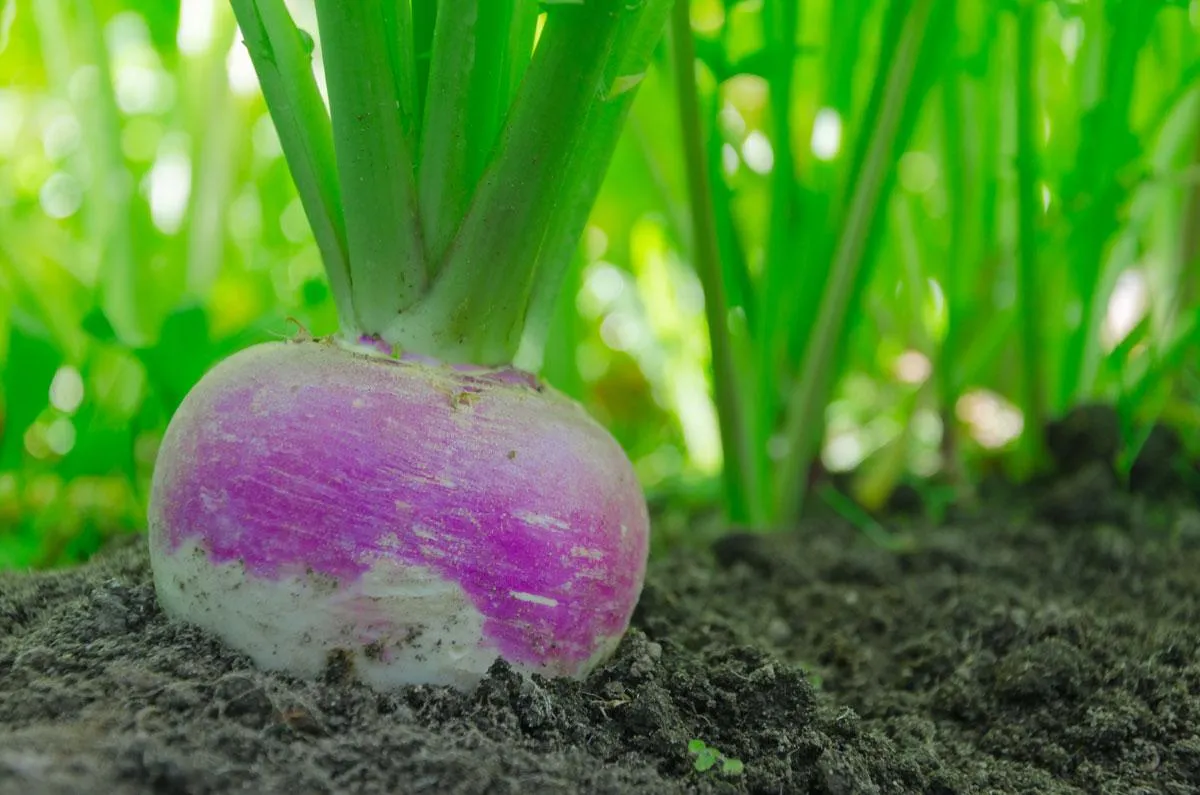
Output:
x=707 y=757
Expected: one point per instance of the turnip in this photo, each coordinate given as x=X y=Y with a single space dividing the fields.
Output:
x=399 y=495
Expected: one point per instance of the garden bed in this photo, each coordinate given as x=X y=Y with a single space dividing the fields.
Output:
x=1042 y=642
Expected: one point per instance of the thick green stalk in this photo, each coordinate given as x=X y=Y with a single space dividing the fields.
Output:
x=374 y=162
x=893 y=113
x=424 y=19
x=283 y=61
x=398 y=28
x=1028 y=210
x=554 y=353
x=476 y=308
x=480 y=50
x=738 y=468
x=569 y=218
x=443 y=178
x=502 y=54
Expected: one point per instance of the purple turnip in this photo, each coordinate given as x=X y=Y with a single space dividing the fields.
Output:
x=419 y=518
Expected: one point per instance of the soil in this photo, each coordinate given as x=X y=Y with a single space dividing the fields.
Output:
x=1044 y=641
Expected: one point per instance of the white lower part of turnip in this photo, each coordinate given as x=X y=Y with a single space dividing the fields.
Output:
x=418 y=519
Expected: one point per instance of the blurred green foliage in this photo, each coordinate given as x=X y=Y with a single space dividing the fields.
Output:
x=1046 y=204
x=945 y=222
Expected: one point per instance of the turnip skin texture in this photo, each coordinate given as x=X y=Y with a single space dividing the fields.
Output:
x=421 y=519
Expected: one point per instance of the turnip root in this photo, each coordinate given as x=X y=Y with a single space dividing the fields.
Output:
x=422 y=520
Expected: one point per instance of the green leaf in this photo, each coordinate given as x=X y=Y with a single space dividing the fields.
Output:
x=96 y=323
x=28 y=372
x=182 y=355
x=20 y=547
x=107 y=421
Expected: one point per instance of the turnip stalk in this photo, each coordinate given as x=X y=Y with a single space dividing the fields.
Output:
x=399 y=494
x=282 y=58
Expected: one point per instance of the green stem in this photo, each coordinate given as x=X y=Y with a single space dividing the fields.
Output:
x=569 y=217
x=398 y=28
x=552 y=348
x=443 y=178
x=374 y=161
x=736 y=270
x=780 y=19
x=424 y=19
x=283 y=60
x=558 y=250
x=502 y=54
x=966 y=187
x=803 y=420
x=1189 y=246
x=477 y=305
x=738 y=473
x=1028 y=208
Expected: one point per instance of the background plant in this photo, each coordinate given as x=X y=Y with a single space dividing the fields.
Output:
x=952 y=192
x=935 y=224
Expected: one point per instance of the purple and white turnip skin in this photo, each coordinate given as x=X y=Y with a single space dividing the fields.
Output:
x=422 y=519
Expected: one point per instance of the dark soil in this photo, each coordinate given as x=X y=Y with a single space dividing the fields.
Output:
x=1042 y=643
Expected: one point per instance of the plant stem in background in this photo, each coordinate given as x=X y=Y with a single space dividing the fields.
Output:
x=1028 y=210
x=738 y=467
x=283 y=60
x=374 y=162
x=890 y=118
x=779 y=20
x=1108 y=150
x=784 y=227
x=109 y=221
x=1189 y=287
x=953 y=138
x=212 y=165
